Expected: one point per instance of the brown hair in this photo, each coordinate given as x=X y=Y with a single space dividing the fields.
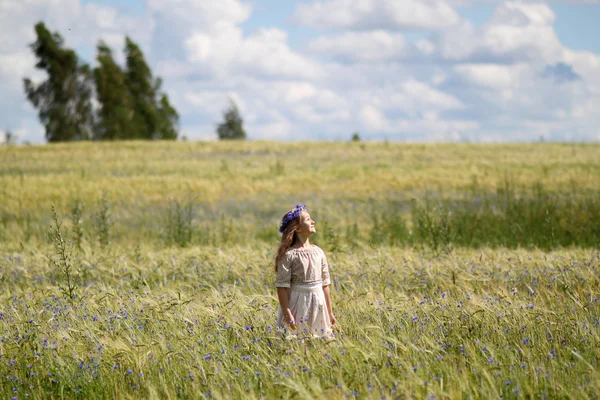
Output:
x=288 y=238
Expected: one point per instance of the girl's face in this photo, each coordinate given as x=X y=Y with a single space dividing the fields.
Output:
x=307 y=225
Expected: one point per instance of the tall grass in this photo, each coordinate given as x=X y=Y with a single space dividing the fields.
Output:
x=459 y=271
x=529 y=218
x=200 y=323
x=542 y=219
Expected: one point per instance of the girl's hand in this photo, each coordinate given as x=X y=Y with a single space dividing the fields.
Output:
x=332 y=318
x=290 y=320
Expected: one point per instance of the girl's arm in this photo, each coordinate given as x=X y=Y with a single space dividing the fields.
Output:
x=325 y=278
x=328 y=303
x=282 y=294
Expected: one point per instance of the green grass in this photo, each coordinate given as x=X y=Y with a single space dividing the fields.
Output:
x=534 y=196
x=460 y=271
x=481 y=324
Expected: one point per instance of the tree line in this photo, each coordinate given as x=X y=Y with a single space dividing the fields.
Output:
x=130 y=102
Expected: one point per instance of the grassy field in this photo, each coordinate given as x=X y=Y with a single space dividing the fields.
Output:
x=460 y=271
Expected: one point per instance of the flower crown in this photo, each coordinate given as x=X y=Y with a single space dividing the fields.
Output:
x=290 y=215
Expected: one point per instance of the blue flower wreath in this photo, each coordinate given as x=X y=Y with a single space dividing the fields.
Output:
x=291 y=215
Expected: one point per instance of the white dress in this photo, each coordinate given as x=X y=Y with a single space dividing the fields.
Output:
x=305 y=271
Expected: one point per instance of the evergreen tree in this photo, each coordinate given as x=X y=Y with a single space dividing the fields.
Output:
x=231 y=128
x=64 y=99
x=168 y=119
x=9 y=138
x=153 y=115
x=116 y=105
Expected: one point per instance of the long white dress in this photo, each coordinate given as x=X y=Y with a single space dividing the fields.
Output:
x=305 y=271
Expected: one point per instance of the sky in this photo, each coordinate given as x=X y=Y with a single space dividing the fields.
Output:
x=397 y=70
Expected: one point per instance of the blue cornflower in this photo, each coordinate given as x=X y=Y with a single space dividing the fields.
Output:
x=290 y=215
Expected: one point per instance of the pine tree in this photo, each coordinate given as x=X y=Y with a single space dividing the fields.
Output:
x=139 y=83
x=231 y=128
x=116 y=105
x=153 y=117
x=168 y=119
x=64 y=99
x=9 y=138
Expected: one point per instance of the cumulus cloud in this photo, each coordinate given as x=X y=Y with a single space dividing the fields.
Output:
x=509 y=78
x=561 y=72
x=516 y=32
x=376 y=45
x=265 y=53
x=428 y=128
x=377 y=14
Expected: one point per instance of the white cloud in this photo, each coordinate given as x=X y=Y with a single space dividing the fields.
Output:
x=493 y=76
x=201 y=13
x=522 y=14
x=373 y=119
x=377 y=14
x=490 y=82
x=376 y=45
x=428 y=128
x=267 y=53
x=426 y=47
x=516 y=32
x=420 y=95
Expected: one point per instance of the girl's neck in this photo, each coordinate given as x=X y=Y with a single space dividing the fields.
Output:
x=301 y=241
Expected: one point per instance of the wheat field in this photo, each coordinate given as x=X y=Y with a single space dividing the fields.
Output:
x=459 y=270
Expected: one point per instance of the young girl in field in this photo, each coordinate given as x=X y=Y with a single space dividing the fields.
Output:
x=302 y=278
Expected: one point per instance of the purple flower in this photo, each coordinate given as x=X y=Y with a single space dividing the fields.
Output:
x=290 y=215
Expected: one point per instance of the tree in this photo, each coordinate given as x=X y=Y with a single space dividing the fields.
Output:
x=153 y=115
x=168 y=119
x=64 y=99
x=355 y=137
x=116 y=104
x=231 y=128
x=9 y=138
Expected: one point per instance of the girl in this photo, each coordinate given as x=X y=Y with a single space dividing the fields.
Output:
x=302 y=278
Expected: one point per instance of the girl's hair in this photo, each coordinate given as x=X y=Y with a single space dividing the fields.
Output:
x=289 y=226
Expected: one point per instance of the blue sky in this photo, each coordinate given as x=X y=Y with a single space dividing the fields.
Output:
x=576 y=24
x=407 y=70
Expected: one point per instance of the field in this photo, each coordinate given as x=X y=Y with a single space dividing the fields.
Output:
x=460 y=271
